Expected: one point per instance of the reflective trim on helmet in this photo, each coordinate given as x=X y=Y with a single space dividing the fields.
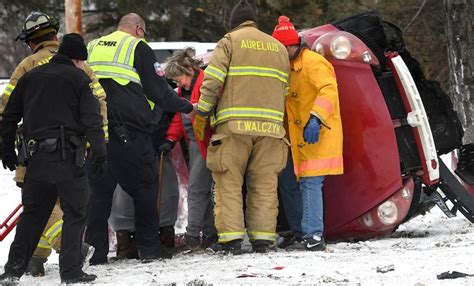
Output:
x=36 y=25
x=35 y=20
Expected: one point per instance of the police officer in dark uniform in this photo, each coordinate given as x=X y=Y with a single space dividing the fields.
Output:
x=60 y=113
x=128 y=71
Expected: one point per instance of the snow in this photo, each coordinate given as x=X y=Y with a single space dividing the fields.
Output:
x=413 y=255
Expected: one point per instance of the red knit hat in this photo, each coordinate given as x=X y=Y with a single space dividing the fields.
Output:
x=285 y=32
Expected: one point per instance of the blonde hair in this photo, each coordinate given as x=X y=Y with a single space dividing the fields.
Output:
x=181 y=63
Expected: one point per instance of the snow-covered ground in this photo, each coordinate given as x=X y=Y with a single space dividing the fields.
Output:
x=417 y=252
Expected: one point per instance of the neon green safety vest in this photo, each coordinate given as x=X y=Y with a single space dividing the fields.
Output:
x=112 y=56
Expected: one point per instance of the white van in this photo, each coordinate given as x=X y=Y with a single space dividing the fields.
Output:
x=165 y=49
x=3 y=85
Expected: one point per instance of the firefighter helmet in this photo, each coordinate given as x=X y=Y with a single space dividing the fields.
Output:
x=36 y=25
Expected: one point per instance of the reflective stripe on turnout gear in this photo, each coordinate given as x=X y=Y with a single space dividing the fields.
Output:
x=247 y=112
x=50 y=234
x=216 y=73
x=229 y=236
x=254 y=235
x=258 y=71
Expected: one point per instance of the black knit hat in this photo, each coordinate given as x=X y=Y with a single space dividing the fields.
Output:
x=73 y=46
x=241 y=12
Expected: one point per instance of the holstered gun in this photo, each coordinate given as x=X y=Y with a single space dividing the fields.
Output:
x=23 y=153
x=79 y=145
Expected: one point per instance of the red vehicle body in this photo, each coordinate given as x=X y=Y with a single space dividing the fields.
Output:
x=385 y=170
x=376 y=194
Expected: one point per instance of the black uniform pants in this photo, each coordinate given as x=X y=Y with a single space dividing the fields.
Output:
x=47 y=178
x=133 y=167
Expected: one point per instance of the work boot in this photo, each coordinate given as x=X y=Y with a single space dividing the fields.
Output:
x=208 y=240
x=288 y=240
x=261 y=245
x=82 y=278
x=231 y=247
x=87 y=251
x=191 y=243
x=126 y=245
x=36 y=266
x=167 y=238
x=9 y=279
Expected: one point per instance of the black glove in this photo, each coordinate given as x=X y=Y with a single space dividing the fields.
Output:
x=9 y=160
x=166 y=147
x=98 y=159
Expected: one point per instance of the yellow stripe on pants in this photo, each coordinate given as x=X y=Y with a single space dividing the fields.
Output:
x=51 y=237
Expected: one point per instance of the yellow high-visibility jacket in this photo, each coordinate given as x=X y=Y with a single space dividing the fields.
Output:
x=313 y=90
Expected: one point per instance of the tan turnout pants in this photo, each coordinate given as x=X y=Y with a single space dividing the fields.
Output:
x=51 y=237
x=230 y=157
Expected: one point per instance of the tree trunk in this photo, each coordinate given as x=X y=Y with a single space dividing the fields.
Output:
x=177 y=19
x=459 y=30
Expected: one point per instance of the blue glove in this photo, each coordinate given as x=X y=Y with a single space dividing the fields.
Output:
x=311 y=130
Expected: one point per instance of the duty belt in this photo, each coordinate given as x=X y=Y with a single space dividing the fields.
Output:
x=50 y=145
x=47 y=145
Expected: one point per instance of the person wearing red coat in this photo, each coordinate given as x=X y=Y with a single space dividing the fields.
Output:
x=185 y=70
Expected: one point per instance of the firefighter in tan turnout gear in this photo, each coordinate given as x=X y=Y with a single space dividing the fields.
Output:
x=243 y=93
x=40 y=34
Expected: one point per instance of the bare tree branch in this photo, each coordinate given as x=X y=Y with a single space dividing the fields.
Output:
x=414 y=17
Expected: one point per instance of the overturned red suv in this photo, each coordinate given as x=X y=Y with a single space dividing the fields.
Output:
x=396 y=125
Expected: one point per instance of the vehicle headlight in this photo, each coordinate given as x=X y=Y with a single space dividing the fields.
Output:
x=366 y=57
x=319 y=48
x=388 y=212
x=341 y=47
x=406 y=193
x=367 y=219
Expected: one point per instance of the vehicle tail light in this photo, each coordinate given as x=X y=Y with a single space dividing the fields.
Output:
x=342 y=45
x=383 y=218
x=391 y=211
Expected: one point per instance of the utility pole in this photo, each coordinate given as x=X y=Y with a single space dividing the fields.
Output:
x=73 y=16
